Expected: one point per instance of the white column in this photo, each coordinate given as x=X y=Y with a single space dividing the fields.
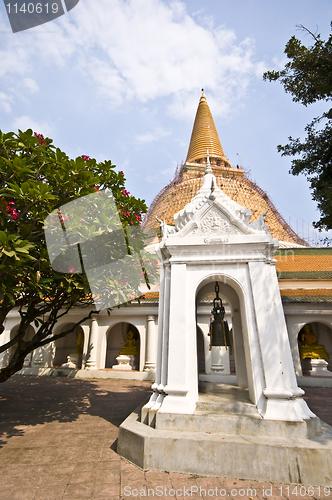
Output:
x=150 y=358
x=157 y=397
x=181 y=387
x=165 y=335
x=282 y=394
x=85 y=352
x=160 y=328
x=91 y=363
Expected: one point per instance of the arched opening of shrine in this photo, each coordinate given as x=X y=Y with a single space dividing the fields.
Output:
x=218 y=359
x=315 y=342
x=70 y=346
x=116 y=338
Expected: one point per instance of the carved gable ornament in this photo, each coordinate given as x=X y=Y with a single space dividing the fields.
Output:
x=212 y=213
x=213 y=223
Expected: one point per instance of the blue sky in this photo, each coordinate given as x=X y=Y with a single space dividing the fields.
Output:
x=121 y=80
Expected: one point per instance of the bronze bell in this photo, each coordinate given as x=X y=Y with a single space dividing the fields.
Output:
x=219 y=331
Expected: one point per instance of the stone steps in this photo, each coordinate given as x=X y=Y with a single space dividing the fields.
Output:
x=238 y=408
x=237 y=425
x=224 y=398
x=227 y=410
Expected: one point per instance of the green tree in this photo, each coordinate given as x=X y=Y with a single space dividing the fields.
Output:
x=37 y=179
x=308 y=77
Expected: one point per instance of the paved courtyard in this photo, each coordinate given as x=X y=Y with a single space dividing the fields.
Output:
x=58 y=441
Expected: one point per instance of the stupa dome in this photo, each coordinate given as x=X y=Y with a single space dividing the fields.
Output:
x=234 y=182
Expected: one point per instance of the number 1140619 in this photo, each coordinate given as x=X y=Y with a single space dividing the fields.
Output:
x=31 y=8
x=303 y=491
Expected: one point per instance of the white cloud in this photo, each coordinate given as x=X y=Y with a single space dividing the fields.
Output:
x=5 y=102
x=139 y=50
x=279 y=62
x=14 y=57
x=166 y=173
x=123 y=166
x=148 y=137
x=24 y=122
x=30 y=84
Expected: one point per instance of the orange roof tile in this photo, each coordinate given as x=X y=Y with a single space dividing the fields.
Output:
x=322 y=292
x=314 y=295
x=150 y=295
x=304 y=263
x=300 y=263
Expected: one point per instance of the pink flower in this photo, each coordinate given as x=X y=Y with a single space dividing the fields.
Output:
x=125 y=192
x=138 y=217
x=62 y=217
x=40 y=137
x=96 y=188
x=85 y=157
x=11 y=210
x=120 y=172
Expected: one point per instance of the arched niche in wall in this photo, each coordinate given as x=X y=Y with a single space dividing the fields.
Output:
x=116 y=338
x=70 y=344
x=322 y=336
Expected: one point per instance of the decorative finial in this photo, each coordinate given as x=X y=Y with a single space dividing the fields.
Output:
x=203 y=95
x=212 y=195
x=208 y=169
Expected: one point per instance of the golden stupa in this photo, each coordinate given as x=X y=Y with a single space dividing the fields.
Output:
x=233 y=181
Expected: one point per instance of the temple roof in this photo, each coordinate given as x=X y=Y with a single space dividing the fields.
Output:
x=304 y=263
x=232 y=181
x=313 y=295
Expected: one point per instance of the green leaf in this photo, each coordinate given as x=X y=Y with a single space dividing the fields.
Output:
x=10 y=253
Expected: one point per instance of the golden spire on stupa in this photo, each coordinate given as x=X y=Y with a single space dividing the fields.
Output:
x=204 y=136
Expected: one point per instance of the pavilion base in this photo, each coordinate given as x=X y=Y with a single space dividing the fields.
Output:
x=223 y=439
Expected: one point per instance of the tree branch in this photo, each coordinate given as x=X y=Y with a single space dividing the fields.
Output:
x=303 y=28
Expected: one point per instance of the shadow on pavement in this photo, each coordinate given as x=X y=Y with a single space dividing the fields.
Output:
x=31 y=401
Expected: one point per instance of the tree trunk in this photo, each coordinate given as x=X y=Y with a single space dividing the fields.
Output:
x=15 y=363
